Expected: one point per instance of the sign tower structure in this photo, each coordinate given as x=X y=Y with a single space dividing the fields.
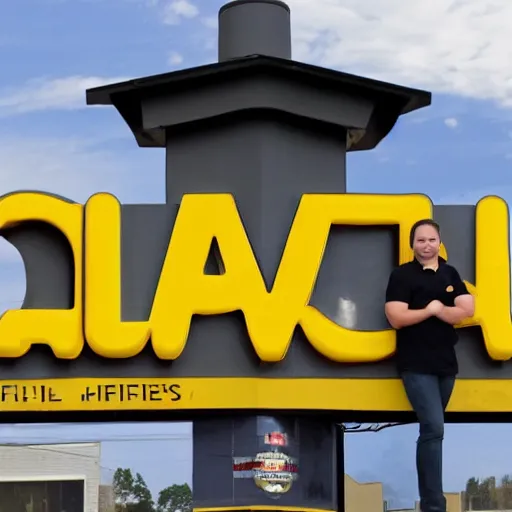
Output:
x=265 y=129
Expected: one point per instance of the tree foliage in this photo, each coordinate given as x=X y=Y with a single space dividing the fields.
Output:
x=133 y=495
x=123 y=486
x=143 y=499
x=175 y=498
x=488 y=493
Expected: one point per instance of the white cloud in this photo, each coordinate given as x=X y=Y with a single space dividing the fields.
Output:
x=71 y=167
x=210 y=22
x=175 y=59
x=176 y=10
x=451 y=122
x=67 y=93
x=452 y=46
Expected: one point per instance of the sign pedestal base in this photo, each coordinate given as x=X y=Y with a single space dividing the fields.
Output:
x=267 y=462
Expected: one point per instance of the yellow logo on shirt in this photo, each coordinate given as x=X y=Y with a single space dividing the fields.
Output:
x=449 y=288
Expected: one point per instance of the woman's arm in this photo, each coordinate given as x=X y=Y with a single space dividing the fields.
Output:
x=464 y=308
x=464 y=303
x=399 y=315
x=398 y=296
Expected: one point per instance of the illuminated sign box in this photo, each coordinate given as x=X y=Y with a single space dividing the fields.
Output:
x=210 y=334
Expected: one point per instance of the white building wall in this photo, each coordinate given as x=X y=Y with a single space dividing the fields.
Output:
x=55 y=462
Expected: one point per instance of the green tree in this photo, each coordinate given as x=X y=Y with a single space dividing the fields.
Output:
x=175 y=498
x=142 y=496
x=123 y=487
x=131 y=493
x=487 y=493
x=471 y=496
x=505 y=493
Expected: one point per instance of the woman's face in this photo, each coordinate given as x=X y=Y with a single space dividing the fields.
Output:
x=426 y=242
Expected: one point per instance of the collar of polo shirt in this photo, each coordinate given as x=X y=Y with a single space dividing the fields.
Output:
x=432 y=266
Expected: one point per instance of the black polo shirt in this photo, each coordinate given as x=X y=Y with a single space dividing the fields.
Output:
x=429 y=346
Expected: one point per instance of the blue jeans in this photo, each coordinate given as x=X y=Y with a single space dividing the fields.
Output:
x=429 y=395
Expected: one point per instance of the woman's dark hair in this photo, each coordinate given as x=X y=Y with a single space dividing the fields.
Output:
x=423 y=222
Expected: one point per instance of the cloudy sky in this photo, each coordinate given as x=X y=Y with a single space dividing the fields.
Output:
x=461 y=50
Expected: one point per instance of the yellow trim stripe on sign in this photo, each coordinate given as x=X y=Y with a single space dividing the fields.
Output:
x=116 y=394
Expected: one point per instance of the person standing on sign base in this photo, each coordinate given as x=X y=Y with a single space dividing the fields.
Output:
x=425 y=299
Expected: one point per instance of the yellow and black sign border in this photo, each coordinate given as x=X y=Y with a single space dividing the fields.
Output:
x=239 y=393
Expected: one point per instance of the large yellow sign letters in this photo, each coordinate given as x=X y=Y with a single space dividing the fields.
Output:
x=62 y=330
x=94 y=233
